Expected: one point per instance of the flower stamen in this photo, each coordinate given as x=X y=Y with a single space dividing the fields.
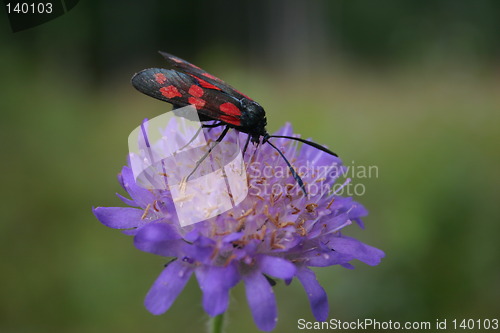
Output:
x=330 y=203
x=310 y=208
x=146 y=211
x=245 y=214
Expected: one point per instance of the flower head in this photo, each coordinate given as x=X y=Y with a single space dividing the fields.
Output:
x=276 y=232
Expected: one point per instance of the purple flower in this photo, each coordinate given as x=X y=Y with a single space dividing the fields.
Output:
x=274 y=233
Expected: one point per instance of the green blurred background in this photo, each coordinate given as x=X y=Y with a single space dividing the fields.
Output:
x=412 y=87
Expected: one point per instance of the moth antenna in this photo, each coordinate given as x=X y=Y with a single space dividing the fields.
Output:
x=307 y=142
x=292 y=170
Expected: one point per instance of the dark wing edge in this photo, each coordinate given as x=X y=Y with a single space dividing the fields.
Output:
x=188 y=68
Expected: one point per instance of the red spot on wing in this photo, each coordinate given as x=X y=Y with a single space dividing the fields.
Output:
x=160 y=78
x=170 y=92
x=205 y=84
x=230 y=120
x=196 y=91
x=197 y=102
x=217 y=79
x=230 y=109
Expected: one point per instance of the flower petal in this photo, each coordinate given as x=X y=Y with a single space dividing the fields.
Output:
x=329 y=224
x=127 y=201
x=141 y=196
x=286 y=129
x=159 y=238
x=347 y=265
x=167 y=287
x=261 y=300
x=315 y=292
x=317 y=157
x=350 y=246
x=215 y=282
x=323 y=259
x=356 y=212
x=119 y=217
x=277 y=267
x=233 y=237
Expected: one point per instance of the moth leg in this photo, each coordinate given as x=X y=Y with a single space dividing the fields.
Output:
x=219 y=139
x=256 y=145
x=198 y=132
x=246 y=146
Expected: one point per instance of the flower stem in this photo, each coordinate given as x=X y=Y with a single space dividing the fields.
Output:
x=216 y=323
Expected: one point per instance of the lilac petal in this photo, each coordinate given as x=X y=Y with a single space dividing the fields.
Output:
x=215 y=282
x=126 y=200
x=261 y=300
x=348 y=206
x=317 y=157
x=159 y=238
x=329 y=224
x=327 y=258
x=192 y=236
x=167 y=287
x=359 y=222
x=140 y=195
x=285 y=130
x=201 y=254
x=350 y=246
x=119 y=217
x=233 y=237
x=347 y=265
x=196 y=237
x=277 y=267
x=341 y=204
x=356 y=212
x=130 y=232
x=315 y=292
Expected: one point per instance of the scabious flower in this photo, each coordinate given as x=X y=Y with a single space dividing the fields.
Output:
x=276 y=232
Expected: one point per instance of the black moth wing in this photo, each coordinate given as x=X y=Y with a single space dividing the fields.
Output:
x=213 y=81
x=146 y=82
x=181 y=89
